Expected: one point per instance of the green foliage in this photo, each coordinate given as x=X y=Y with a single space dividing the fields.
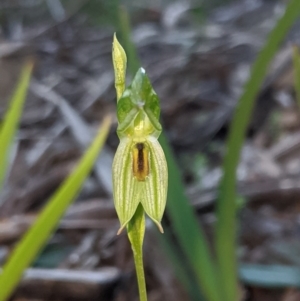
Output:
x=11 y=120
x=188 y=232
x=226 y=207
x=36 y=237
x=124 y=28
x=181 y=267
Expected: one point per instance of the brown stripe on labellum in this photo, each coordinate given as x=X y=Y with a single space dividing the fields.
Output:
x=140 y=165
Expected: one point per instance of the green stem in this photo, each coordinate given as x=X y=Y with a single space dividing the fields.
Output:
x=138 y=261
x=136 y=232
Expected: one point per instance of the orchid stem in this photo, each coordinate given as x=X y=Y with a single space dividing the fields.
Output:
x=136 y=231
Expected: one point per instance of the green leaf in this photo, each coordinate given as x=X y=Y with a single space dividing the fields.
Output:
x=188 y=231
x=124 y=28
x=182 y=269
x=33 y=241
x=226 y=205
x=12 y=118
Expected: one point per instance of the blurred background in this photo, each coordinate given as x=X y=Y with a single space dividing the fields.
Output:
x=198 y=55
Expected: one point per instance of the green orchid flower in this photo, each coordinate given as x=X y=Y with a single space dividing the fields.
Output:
x=140 y=173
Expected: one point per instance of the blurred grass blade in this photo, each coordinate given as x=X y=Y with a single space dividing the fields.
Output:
x=46 y=222
x=273 y=276
x=130 y=49
x=296 y=62
x=226 y=206
x=179 y=264
x=12 y=118
x=188 y=232
x=79 y=129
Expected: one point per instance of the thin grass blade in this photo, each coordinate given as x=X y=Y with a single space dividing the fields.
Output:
x=188 y=232
x=179 y=264
x=37 y=236
x=130 y=49
x=79 y=129
x=12 y=118
x=226 y=206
